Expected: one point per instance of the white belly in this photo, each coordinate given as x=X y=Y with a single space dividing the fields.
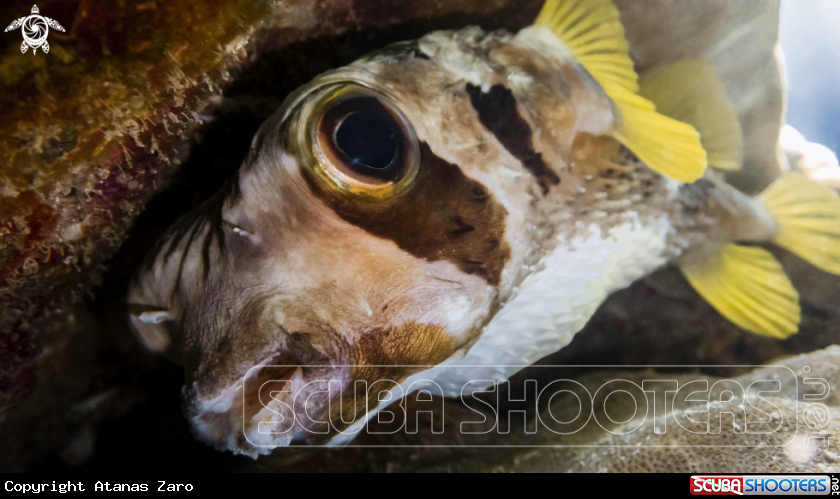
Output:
x=551 y=306
x=557 y=300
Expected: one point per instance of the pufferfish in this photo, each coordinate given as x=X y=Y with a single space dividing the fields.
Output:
x=453 y=209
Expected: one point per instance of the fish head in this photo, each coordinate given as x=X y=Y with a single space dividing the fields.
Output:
x=384 y=215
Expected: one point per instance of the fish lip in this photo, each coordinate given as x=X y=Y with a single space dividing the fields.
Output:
x=250 y=416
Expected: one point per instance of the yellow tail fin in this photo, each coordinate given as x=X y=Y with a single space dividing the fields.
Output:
x=691 y=91
x=747 y=286
x=593 y=33
x=808 y=215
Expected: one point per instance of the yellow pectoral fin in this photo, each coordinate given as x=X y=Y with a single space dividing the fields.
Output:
x=808 y=215
x=749 y=287
x=593 y=33
x=666 y=145
x=691 y=91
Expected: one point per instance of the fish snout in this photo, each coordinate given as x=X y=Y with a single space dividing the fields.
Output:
x=284 y=401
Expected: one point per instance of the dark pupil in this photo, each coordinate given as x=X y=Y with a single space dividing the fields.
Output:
x=367 y=138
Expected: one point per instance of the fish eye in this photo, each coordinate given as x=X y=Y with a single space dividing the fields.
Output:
x=363 y=144
x=369 y=141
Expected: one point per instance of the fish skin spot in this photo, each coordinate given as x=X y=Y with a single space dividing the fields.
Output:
x=462 y=227
x=498 y=113
x=388 y=353
x=479 y=194
x=392 y=348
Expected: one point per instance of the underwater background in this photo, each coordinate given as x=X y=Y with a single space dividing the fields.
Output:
x=811 y=41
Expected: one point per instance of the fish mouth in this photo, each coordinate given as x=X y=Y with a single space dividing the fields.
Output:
x=278 y=403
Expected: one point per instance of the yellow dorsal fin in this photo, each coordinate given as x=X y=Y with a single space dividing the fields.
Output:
x=691 y=91
x=747 y=286
x=593 y=33
x=808 y=215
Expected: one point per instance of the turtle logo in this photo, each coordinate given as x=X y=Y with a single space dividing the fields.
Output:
x=35 y=31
